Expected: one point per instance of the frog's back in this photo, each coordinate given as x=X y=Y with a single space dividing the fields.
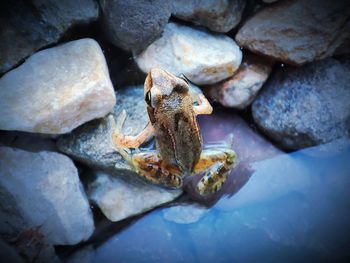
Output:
x=178 y=136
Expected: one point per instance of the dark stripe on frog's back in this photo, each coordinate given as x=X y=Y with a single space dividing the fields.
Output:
x=186 y=144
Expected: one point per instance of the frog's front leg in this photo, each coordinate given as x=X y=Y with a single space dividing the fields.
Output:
x=150 y=166
x=127 y=141
x=217 y=164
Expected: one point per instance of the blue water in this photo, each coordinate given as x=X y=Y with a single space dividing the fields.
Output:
x=294 y=208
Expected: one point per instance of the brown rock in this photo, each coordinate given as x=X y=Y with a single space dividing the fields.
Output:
x=241 y=89
x=297 y=31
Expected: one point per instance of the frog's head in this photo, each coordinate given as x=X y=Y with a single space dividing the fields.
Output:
x=160 y=84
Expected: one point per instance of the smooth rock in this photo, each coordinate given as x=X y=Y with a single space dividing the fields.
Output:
x=184 y=214
x=133 y=25
x=306 y=106
x=42 y=191
x=297 y=31
x=119 y=199
x=27 y=27
x=57 y=89
x=202 y=57
x=219 y=16
x=241 y=89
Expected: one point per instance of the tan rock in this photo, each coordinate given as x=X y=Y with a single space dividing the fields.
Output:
x=241 y=89
x=202 y=57
x=297 y=31
x=57 y=89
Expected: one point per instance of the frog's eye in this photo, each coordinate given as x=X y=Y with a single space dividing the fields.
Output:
x=148 y=98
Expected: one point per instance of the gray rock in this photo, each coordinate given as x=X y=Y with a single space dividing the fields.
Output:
x=133 y=25
x=119 y=199
x=57 y=89
x=297 y=31
x=202 y=57
x=219 y=16
x=241 y=89
x=91 y=143
x=27 y=27
x=42 y=191
x=306 y=106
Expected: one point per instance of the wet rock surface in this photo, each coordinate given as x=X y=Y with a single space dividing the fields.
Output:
x=27 y=27
x=218 y=16
x=306 y=106
x=57 y=89
x=133 y=25
x=42 y=190
x=241 y=89
x=297 y=31
x=204 y=58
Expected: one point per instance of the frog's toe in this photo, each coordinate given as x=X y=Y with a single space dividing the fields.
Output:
x=212 y=181
x=174 y=181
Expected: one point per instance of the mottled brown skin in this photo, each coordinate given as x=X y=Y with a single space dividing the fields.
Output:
x=172 y=113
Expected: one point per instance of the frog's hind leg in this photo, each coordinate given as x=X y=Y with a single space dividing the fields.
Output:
x=149 y=165
x=217 y=164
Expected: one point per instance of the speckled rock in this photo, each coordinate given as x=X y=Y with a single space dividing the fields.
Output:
x=27 y=27
x=219 y=16
x=202 y=57
x=297 y=31
x=133 y=25
x=306 y=106
x=57 y=89
x=119 y=199
x=42 y=190
x=241 y=89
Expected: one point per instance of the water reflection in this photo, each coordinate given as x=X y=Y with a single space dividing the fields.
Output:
x=295 y=207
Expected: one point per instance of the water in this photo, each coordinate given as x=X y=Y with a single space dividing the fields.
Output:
x=294 y=208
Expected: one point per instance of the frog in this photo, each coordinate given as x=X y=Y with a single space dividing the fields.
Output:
x=172 y=108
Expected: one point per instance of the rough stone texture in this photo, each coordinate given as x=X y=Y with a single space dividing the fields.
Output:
x=42 y=191
x=27 y=27
x=91 y=143
x=202 y=57
x=119 y=199
x=306 y=106
x=297 y=31
x=219 y=16
x=133 y=25
x=57 y=89
x=241 y=89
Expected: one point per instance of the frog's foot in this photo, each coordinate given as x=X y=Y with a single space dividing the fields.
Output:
x=127 y=141
x=150 y=166
x=217 y=163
